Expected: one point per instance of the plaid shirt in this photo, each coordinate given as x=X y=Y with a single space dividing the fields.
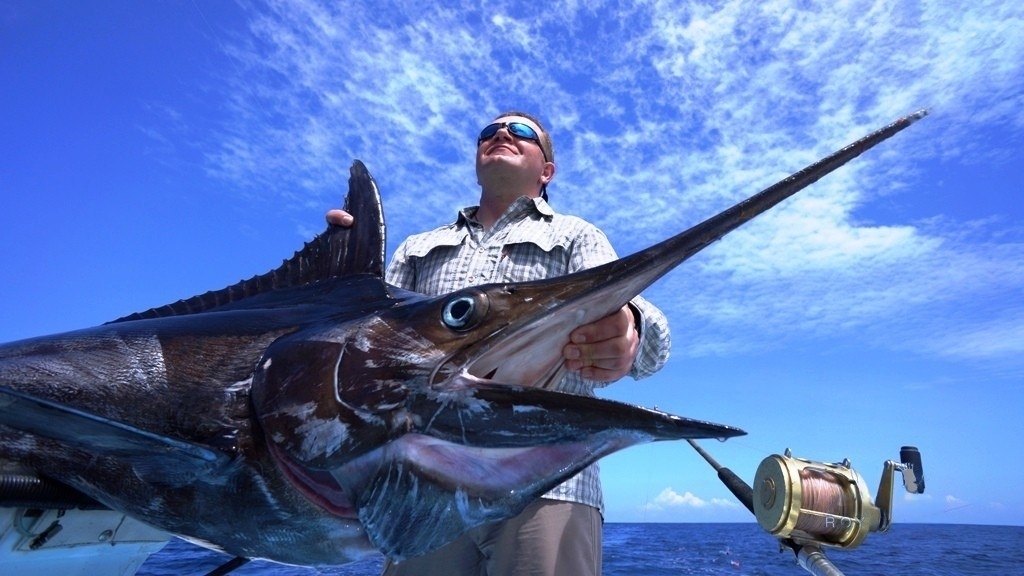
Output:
x=528 y=242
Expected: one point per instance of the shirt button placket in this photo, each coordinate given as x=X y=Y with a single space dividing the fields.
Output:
x=493 y=256
x=475 y=265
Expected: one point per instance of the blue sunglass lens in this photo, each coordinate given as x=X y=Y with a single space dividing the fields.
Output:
x=517 y=129
x=488 y=132
x=522 y=131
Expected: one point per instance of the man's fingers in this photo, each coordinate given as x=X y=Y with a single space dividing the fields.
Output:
x=612 y=326
x=603 y=361
x=339 y=218
x=605 y=371
x=603 y=350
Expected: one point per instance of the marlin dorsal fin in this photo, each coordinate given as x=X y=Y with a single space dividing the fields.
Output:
x=336 y=252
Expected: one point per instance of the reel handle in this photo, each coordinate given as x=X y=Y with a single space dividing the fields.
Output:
x=913 y=473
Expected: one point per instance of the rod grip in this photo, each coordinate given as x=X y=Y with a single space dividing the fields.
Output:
x=739 y=488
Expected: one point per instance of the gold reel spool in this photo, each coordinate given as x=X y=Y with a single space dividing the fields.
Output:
x=813 y=502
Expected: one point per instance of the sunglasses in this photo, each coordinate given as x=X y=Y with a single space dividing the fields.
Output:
x=517 y=129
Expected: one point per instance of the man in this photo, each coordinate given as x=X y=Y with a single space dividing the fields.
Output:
x=514 y=236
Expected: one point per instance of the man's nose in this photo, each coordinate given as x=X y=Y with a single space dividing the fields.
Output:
x=503 y=133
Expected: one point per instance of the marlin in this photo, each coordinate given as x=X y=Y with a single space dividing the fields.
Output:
x=315 y=415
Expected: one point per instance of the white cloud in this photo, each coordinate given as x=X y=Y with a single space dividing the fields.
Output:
x=953 y=501
x=669 y=498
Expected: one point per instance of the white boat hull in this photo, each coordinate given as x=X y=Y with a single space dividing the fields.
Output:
x=35 y=542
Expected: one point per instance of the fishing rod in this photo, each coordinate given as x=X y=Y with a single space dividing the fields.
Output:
x=807 y=504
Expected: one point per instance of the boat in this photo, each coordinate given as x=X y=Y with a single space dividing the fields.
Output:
x=48 y=528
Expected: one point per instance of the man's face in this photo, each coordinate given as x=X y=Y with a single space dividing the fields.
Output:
x=504 y=152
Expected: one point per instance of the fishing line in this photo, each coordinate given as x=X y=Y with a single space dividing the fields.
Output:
x=203 y=16
x=823 y=499
x=242 y=78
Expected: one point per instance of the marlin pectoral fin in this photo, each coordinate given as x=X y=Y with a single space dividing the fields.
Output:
x=337 y=252
x=444 y=489
x=164 y=461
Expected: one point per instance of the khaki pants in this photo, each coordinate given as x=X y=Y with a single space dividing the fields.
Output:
x=549 y=538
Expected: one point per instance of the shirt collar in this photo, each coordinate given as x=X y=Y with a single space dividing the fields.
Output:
x=521 y=208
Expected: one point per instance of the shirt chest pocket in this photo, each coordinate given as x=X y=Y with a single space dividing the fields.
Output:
x=527 y=261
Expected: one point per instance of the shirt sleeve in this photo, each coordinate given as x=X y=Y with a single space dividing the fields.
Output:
x=592 y=248
x=655 y=339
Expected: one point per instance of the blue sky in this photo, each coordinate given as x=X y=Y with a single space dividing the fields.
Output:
x=151 y=151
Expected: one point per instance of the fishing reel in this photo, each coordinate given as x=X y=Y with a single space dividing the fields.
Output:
x=814 y=503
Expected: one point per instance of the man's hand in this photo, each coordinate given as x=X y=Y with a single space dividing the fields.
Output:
x=604 y=350
x=339 y=218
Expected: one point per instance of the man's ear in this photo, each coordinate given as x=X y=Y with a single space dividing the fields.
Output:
x=548 y=173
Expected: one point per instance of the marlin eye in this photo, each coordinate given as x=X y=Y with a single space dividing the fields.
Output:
x=464 y=311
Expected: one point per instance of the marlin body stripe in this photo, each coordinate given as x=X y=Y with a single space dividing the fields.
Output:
x=315 y=415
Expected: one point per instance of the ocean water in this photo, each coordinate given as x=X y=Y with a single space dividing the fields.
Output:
x=711 y=549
